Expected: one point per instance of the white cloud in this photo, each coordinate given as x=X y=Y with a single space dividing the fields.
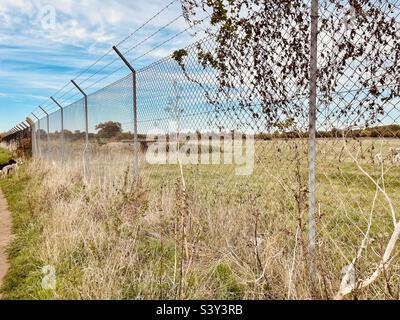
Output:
x=35 y=61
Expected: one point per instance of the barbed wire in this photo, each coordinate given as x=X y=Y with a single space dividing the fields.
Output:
x=133 y=47
x=143 y=55
x=119 y=43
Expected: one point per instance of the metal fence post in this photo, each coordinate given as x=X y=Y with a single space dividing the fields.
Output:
x=24 y=127
x=62 y=129
x=22 y=134
x=312 y=141
x=85 y=157
x=48 y=131
x=38 y=136
x=18 y=135
x=31 y=132
x=135 y=118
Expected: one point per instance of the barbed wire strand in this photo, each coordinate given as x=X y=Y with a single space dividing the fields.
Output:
x=45 y=102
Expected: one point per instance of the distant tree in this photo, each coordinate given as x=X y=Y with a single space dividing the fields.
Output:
x=125 y=136
x=78 y=135
x=42 y=134
x=109 y=129
x=68 y=134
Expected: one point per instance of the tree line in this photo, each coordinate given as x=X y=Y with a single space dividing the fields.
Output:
x=111 y=131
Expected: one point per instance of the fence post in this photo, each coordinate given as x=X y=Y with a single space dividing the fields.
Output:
x=19 y=137
x=27 y=130
x=22 y=134
x=48 y=132
x=135 y=120
x=62 y=129
x=312 y=141
x=37 y=142
x=85 y=157
x=31 y=133
x=24 y=127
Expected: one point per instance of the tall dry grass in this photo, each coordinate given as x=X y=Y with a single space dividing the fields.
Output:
x=123 y=240
x=172 y=236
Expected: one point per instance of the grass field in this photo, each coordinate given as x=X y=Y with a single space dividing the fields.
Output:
x=207 y=233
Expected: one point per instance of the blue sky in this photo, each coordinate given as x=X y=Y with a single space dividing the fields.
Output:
x=45 y=44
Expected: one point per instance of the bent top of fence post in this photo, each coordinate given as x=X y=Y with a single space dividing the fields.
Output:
x=35 y=116
x=43 y=110
x=56 y=102
x=124 y=59
x=79 y=88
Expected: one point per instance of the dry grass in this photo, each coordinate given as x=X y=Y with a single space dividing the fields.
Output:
x=122 y=241
x=215 y=236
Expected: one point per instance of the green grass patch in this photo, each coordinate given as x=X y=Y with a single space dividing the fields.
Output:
x=24 y=277
x=4 y=156
x=228 y=287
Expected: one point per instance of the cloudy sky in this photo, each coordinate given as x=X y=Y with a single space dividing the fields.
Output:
x=45 y=44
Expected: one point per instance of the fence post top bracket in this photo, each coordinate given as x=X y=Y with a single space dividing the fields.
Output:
x=43 y=110
x=79 y=88
x=124 y=59
x=56 y=102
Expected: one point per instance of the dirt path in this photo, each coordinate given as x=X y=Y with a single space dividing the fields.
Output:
x=5 y=236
